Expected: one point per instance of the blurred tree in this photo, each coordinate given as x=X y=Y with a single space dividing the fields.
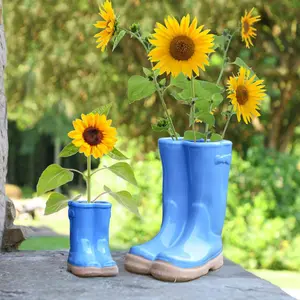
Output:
x=59 y=62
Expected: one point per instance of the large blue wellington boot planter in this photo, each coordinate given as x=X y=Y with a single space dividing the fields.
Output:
x=199 y=248
x=89 y=254
x=175 y=191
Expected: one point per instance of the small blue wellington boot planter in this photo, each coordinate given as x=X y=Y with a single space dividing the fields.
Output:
x=199 y=248
x=175 y=192
x=89 y=254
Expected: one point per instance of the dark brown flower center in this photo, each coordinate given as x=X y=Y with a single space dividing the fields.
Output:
x=241 y=94
x=92 y=136
x=182 y=48
x=246 y=27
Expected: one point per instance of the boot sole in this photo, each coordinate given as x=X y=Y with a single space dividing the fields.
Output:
x=137 y=264
x=167 y=272
x=93 y=271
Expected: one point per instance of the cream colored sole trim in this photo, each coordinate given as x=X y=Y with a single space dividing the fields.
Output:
x=137 y=264
x=167 y=272
x=93 y=272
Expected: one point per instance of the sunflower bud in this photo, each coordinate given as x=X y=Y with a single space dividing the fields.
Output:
x=135 y=28
x=162 y=123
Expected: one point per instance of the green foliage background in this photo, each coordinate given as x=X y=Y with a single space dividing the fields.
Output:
x=55 y=72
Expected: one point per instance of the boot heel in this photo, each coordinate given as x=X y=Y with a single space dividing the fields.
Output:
x=217 y=263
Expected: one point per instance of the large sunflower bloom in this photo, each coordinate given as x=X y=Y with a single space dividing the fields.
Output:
x=107 y=26
x=246 y=93
x=93 y=135
x=180 y=47
x=248 y=31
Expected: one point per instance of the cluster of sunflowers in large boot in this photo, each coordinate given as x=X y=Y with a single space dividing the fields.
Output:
x=195 y=165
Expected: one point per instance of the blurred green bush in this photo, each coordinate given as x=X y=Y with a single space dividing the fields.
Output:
x=262 y=228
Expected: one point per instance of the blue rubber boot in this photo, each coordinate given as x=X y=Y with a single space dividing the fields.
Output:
x=140 y=258
x=200 y=247
x=89 y=254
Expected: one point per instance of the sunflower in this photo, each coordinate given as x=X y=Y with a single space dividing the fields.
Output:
x=246 y=93
x=93 y=135
x=107 y=26
x=248 y=31
x=180 y=47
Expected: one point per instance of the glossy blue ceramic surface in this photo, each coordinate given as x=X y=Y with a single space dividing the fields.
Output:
x=174 y=198
x=208 y=172
x=89 y=234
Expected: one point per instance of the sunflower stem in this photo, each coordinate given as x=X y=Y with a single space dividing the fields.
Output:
x=160 y=94
x=103 y=193
x=76 y=171
x=225 y=58
x=98 y=171
x=193 y=107
x=227 y=122
x=220 y=78
x=88 y=178
x=161 y=97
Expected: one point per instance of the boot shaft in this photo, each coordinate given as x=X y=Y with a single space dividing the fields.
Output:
x=89 y=221
x=89 y=234
x=175 y=184
x=208 y=173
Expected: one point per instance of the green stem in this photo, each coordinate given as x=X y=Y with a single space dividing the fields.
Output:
x=227 y=123
x=193 y=108
x=97 y=171
x=160 y=94
x=161 y=97
x=100 y=195
x=224 y=59
x=88 y=179
x=74 y=170
x=220 y=76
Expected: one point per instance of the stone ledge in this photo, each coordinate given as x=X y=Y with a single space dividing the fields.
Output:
x=41 y=275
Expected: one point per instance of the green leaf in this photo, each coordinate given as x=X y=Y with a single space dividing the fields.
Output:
x=219 y=42
x=124 y=171
x=189 y=135
x=202 y=106
x=205 y=90
x=103 y=110
x=163 y=82
x=156 y=73
x=55 y=203
x=147 y=72
x=69 y=150
x=118 y=38
x=216 y=137
x=53 y=177
x=206 y=117
x=186 y=94
x=139 y=88
x=117 y=154
x=125 y=199
x=239 y=62
x=217 y=100
x=178 y=97
x=180 y=81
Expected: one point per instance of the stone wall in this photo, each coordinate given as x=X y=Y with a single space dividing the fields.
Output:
x=3 y=128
